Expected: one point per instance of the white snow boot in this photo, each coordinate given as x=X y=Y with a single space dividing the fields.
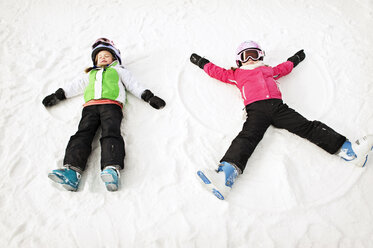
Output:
x=357 y=152
x=220 y=181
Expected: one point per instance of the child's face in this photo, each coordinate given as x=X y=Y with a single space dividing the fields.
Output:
x=104 y=58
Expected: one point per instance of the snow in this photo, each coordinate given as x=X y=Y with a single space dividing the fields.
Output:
x=292 y=194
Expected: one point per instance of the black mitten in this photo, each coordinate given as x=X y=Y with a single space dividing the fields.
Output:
x=157 y=102
x=153 y=100
x=198 y=60
x=297 y=58
x=54 y=98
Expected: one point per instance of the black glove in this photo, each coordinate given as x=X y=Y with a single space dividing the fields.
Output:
x=297 y=58
x=54 y=98
x=198 y=60
x=153 y=100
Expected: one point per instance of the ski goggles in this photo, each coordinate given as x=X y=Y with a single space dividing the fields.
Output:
x=254 y=54
x=103 y=41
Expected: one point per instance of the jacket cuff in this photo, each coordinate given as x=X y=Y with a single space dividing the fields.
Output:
x=203 y=62
x=60 y=94
x=146 y=95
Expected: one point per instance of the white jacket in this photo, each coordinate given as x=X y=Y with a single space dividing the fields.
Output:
x=110 y=82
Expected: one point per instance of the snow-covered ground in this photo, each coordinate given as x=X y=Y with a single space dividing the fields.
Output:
x=292 y=194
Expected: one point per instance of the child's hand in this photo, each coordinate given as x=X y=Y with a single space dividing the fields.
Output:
x=297 y=58
x=198 y=60
x=153 y=100
x=157 y=102
x=54 y=98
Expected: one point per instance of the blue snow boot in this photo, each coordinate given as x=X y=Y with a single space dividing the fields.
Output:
x=357 y=152
x=69 y=178
x=230 y=172
x=219 y=181
x=110 y=176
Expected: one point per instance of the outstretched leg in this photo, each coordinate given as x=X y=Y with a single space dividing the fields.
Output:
x=314 y=131
x=253 y=130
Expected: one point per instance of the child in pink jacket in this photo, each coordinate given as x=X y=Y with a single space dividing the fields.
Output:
x=264 y=107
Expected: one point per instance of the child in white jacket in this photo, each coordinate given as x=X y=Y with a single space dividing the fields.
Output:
x=104 y=89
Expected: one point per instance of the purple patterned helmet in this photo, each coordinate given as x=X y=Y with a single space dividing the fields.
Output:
x=105 y=44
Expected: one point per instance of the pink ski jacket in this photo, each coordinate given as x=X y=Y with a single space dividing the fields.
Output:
x=256 y=84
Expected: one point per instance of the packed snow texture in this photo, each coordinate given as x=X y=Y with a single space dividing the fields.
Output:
x=292 y=193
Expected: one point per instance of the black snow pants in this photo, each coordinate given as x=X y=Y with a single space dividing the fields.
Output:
x=262 y=114
x=109 y=117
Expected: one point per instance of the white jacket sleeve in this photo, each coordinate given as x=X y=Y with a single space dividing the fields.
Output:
x=76 y=86
x=130 y=82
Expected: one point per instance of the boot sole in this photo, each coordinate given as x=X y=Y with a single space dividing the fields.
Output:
x=363 y=162
x=55 y=178
x=59 y=180
x=108 y=180
x=209 y=186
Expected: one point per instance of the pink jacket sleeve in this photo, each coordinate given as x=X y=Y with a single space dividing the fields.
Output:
x=221 y=74
x=282 y=69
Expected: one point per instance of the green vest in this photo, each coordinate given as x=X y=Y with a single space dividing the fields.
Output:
x=109 y=85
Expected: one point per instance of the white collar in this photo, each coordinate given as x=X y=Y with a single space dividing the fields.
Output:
x=252 y=66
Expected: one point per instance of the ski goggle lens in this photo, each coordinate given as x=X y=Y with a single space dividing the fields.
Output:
x=103 y=41
x=253 y=54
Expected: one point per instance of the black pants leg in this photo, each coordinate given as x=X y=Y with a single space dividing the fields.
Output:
x=274 y=112
x=253 y=130
x=314 y=131
x=79 y=146
x=112 y=143
x=109 y=116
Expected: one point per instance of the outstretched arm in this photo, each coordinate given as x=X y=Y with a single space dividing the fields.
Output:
x=70 y=89
x=285 y=68
x=213 y=70
x=139 y=91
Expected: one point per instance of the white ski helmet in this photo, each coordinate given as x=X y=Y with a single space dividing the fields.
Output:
x=248 y=45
